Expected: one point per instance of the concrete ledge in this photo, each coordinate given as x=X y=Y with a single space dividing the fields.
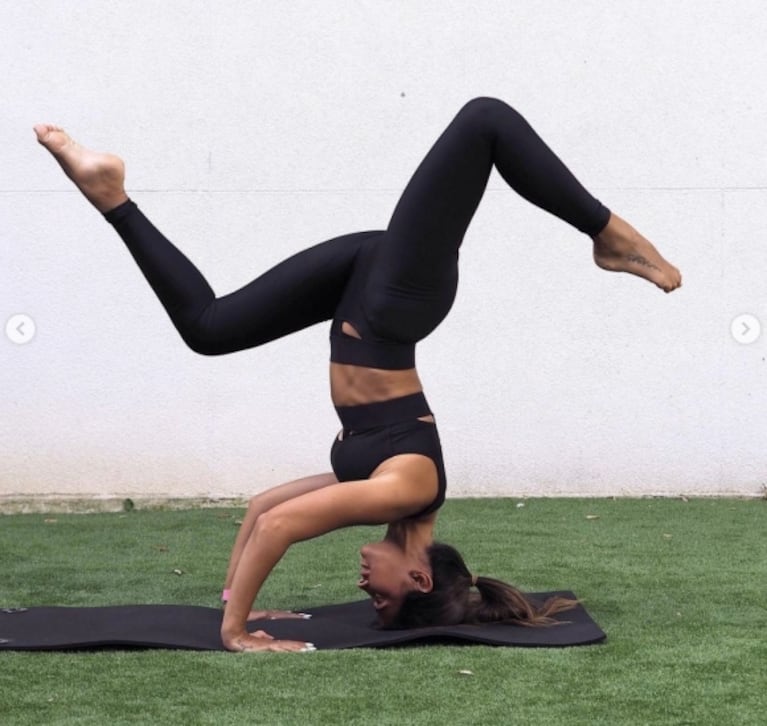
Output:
x=60 y=504
x=87 y=505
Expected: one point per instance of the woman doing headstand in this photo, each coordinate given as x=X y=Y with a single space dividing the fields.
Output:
x=384 y=292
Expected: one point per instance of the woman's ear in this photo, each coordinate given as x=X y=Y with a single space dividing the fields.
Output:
x=422 y=580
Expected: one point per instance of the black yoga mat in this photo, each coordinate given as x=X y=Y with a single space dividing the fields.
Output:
x=350 y=625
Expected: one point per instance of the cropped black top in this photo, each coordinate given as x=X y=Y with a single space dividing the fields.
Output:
x=368 y=352
x=362 y=297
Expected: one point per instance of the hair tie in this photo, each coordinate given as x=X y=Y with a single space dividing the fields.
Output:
x=473 y=580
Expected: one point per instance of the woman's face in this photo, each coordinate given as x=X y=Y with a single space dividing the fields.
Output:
x=387 y=574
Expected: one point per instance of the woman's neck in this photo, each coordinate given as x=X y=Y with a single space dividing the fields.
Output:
x=412 y=536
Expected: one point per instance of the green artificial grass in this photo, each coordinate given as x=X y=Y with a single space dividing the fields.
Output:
x=680 y=587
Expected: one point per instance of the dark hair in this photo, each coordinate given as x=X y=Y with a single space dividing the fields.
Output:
x=451 y=601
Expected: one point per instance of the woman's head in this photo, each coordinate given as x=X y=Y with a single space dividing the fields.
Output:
x=388 y=574
x=448 y=597
x=447 y=601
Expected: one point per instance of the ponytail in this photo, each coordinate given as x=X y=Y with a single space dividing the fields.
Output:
x=500 y=602
x=452 y=601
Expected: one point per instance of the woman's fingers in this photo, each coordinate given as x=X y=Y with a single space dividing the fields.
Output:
x=277 y=615
x=260 y=641
x=262 y=634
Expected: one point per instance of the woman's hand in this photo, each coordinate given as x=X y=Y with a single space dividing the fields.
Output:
x=277 y=615
x=261 y=641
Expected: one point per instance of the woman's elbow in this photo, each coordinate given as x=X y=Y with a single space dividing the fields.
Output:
x=273 y=527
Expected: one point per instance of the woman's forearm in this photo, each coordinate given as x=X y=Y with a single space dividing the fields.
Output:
x=262 y=503
x=246 y=529
x=262 y=551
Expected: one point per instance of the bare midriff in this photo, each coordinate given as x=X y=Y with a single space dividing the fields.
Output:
x=352 y=385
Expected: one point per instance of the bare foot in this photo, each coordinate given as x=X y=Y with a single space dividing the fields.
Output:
x=100 y=177
x=620 y=248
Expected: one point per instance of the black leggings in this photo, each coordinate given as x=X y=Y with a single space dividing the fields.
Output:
x=412 y=276
x=394 y=285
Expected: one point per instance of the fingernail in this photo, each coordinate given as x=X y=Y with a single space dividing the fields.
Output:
x=306 y=616
x=308 y=648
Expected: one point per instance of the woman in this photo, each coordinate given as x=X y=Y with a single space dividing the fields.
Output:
x=384 y=291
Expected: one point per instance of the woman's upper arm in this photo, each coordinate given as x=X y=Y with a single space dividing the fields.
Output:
x=399 y=490
x=282 y=493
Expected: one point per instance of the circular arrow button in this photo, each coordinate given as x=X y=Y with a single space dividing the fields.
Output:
x=20 y=329
x=746 y=328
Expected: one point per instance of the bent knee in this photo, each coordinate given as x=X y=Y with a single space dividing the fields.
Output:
x=205 y=344
x=483 y=106
x=489 y=115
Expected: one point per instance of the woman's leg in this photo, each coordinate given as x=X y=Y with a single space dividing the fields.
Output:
x=419 y=255
x=443 y=194
x=299 y=292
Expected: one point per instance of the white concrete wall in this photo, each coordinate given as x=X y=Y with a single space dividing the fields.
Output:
x=254 y=129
